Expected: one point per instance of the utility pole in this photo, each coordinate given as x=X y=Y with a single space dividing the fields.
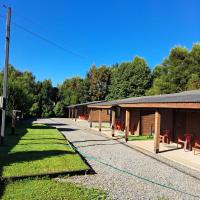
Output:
x=5 y=77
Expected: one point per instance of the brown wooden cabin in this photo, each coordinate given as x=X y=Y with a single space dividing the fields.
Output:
x=81 y=111
x=179 y=113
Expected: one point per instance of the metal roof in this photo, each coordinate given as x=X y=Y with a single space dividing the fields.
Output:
x=84 y=104
x=192 y=96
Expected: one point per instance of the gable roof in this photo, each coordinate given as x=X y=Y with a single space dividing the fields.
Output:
x=182 y=97
x=84 y=104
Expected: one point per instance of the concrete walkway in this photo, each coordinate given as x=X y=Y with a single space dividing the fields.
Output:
x=117 y=155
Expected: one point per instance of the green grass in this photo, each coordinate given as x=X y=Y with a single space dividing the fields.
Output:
x=103 y=126
x=46 y=189
x=37 y=149
x=140 y=137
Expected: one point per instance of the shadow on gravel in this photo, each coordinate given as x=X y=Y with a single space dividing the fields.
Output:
x=90 y=141
x=92 y=145
x=67 y=129
x=55 y=124
x=172 y=149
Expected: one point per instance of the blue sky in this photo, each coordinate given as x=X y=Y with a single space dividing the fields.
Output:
x=102 y=31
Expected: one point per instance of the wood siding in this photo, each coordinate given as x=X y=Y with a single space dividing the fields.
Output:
x=105 y=117
x=147 y=122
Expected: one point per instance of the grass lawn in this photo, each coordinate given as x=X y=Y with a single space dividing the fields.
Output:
x=140 y=137
x=103 y=126
x=37 y=149
x=46 y=189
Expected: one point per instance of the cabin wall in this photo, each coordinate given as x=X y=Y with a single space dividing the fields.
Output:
x=105 y=116
x=147 y=119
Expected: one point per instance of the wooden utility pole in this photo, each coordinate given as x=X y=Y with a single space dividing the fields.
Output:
x=5 y=77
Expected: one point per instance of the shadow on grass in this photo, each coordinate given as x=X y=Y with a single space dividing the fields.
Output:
x=31 y=156
x=41 y=127
x=47 y=143
x=9 y=142
x=44 y=139
x=8 y=158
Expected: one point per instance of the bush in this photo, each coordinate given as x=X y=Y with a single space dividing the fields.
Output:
x=35 y=110
x=47 y=111
x=59 y=109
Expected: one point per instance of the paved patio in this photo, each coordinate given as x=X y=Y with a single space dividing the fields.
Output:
x=169 y=151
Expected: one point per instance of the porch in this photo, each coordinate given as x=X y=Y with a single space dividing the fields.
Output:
x=169 y=151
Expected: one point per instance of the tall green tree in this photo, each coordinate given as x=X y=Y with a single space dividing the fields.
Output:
x=21 y=89
x=129 y=79
x=96 y=83
x=180 y=71
x=70 y=91
x=45 y=99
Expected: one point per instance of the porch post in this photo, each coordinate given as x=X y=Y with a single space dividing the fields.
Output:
x=72 y=113
x=75 y=114
x=157 y=131
x=127 y=124
x=113 y=122
x=68 y=112
x=137 y=132
x=100 y=110
x=90 y=117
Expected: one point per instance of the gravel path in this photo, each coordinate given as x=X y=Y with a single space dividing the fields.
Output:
x=120 y=185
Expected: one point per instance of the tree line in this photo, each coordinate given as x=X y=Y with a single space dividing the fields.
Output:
x=179 y=71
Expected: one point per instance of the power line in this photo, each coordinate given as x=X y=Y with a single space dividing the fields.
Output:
x=35 y=24
x=46 y=39
x=25 y=18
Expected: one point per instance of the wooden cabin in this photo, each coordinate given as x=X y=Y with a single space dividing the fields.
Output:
x=179 y=113
x=81 y=111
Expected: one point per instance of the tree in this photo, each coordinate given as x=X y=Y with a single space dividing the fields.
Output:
x=21 y=86
x=46 y=98
x=130 y=79
x=70 y=91
x=59 y=109
x=97 y=80
x=193 y=82
x=35 y=110
x=179 y=72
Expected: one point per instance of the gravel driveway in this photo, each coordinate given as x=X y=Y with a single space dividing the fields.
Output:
x=121 y=185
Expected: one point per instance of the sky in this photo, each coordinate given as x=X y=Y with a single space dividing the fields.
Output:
x=95 y=32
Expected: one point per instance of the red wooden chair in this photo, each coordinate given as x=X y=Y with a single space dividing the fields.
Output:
x=185 y=141
x=117 y=125
x=196 y=145
x=165 y=136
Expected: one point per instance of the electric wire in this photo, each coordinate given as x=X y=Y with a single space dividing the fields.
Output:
x=45 y=39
